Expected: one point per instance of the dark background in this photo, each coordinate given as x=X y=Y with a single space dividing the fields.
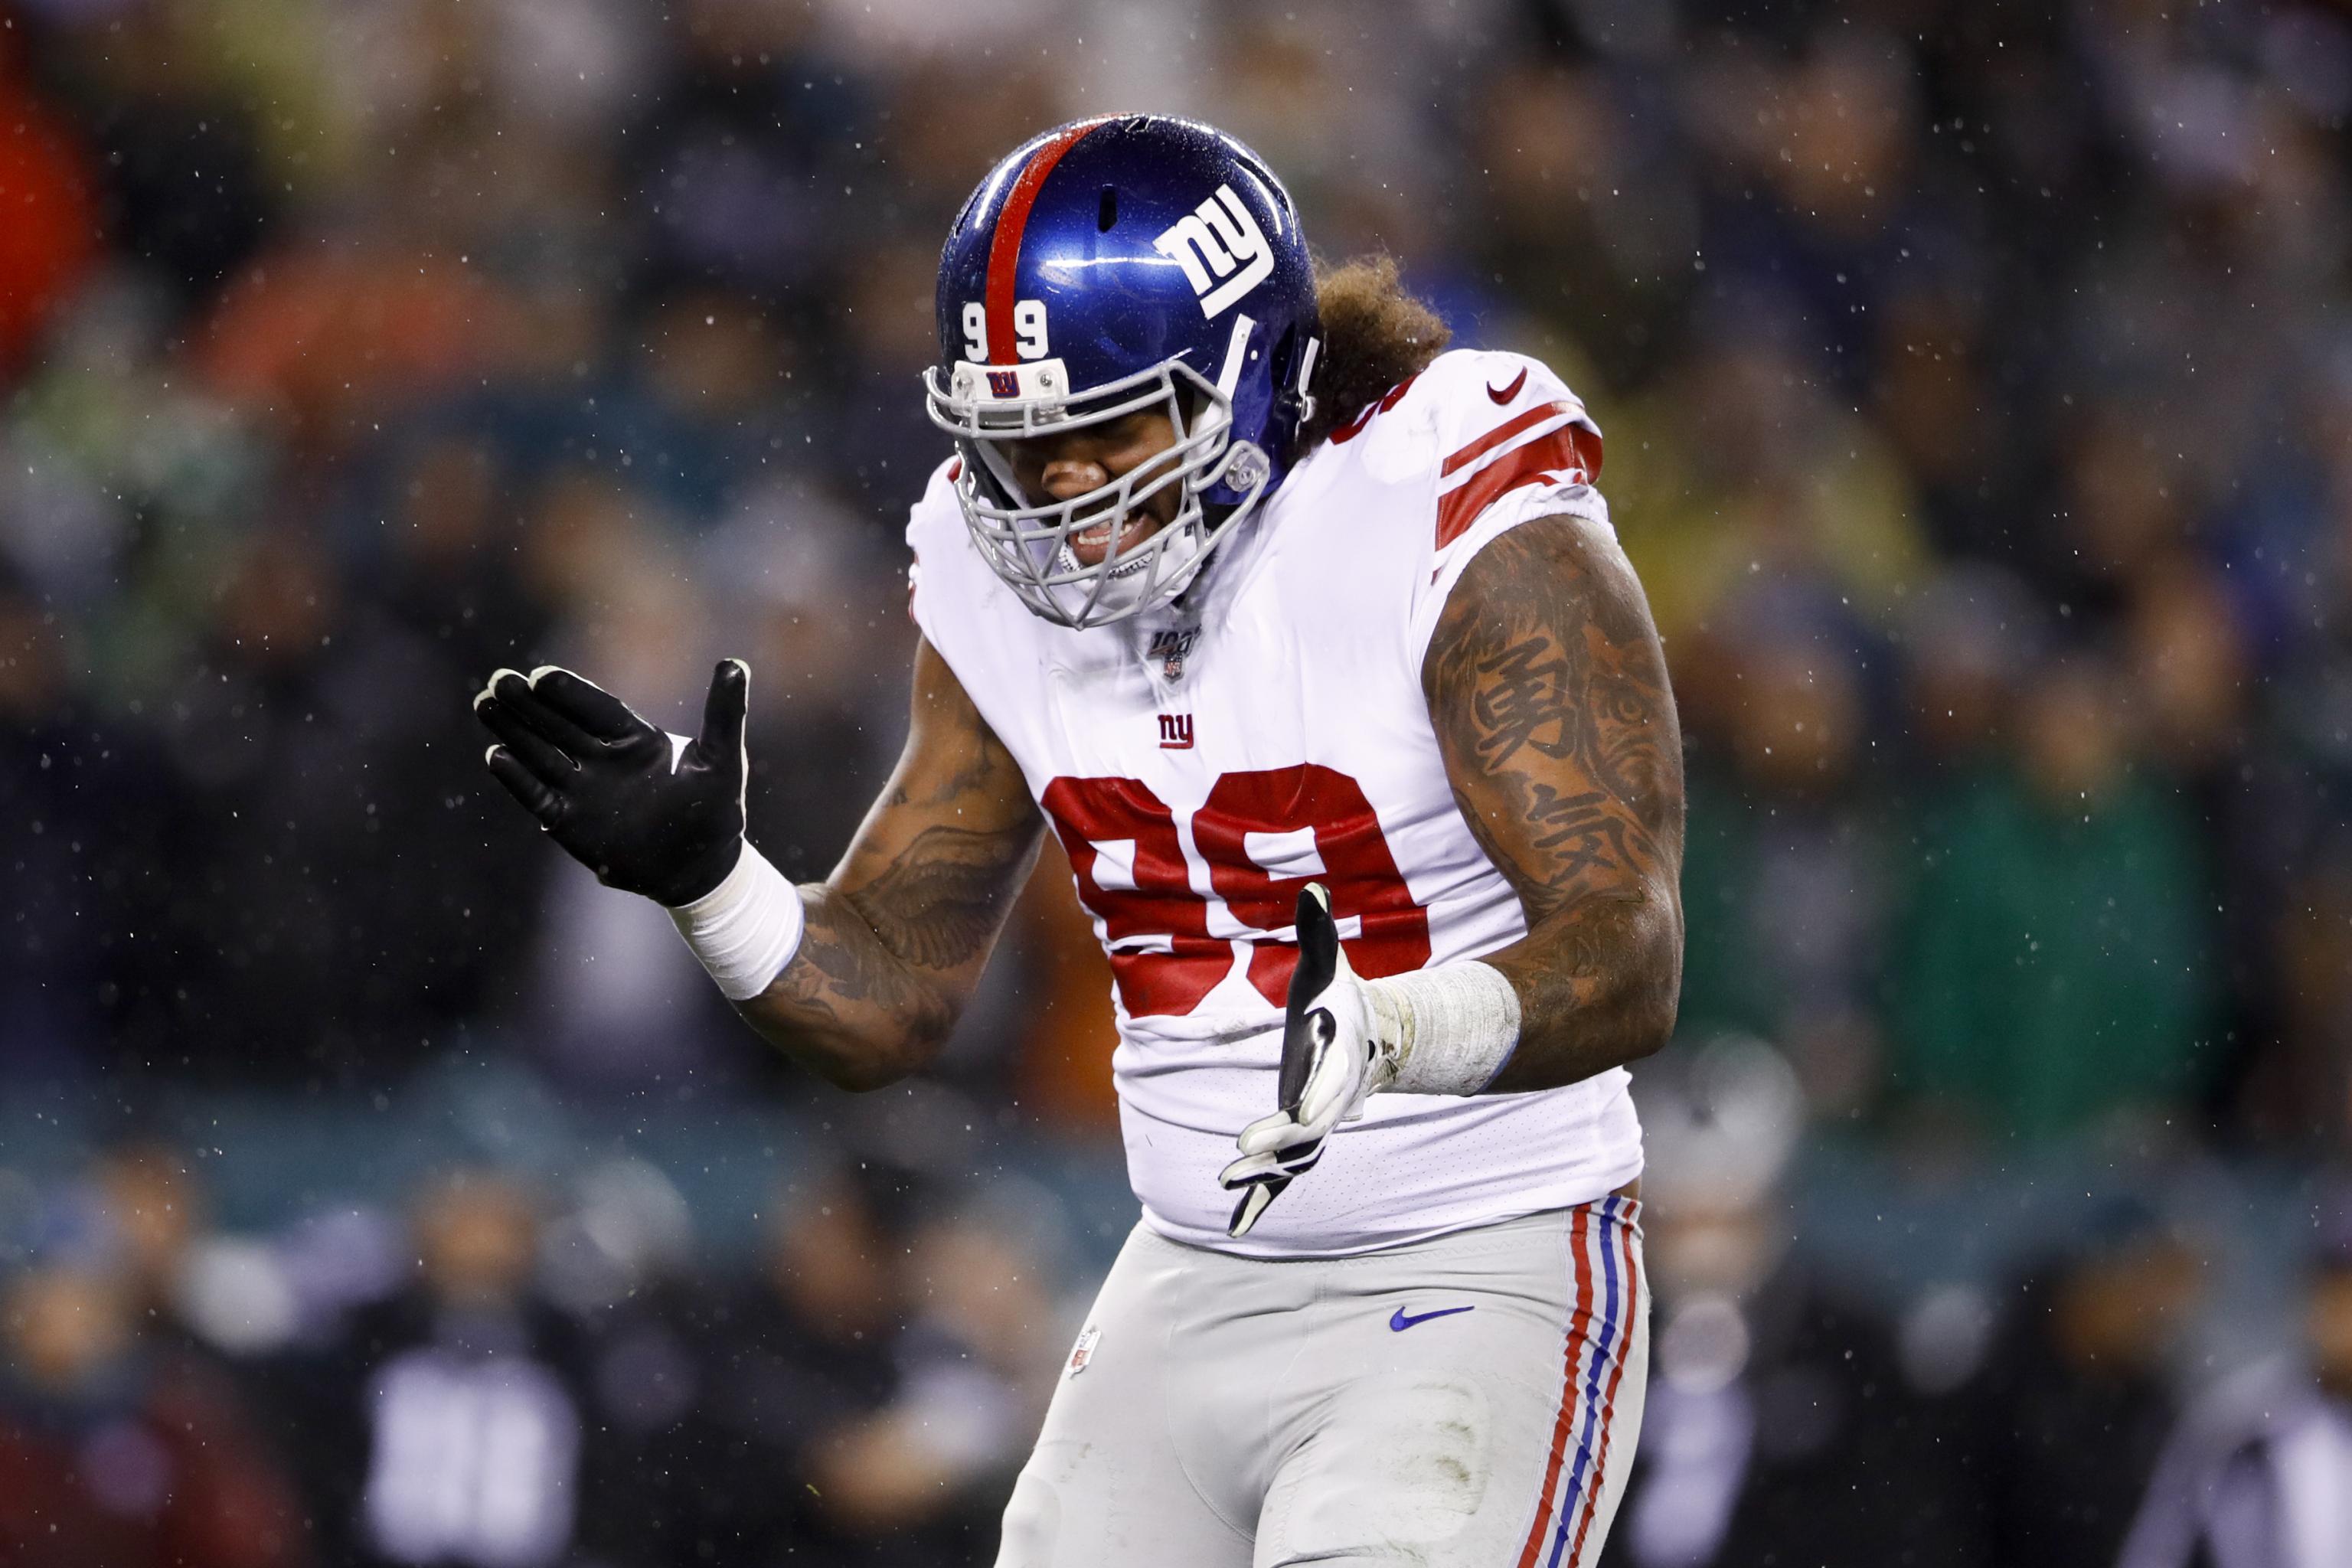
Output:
x=1977 y=384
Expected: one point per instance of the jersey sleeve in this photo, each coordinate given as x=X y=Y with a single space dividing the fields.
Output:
x=1509 y=443
x=934 y=528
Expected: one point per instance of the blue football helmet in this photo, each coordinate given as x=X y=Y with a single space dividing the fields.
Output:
x=1106 y=267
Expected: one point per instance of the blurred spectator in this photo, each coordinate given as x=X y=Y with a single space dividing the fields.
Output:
x=2302 y=1090
x=1750 y=468
x=220 y=1300
x=1970 y=641
x=446 y=1423
x=1784 y=877
x=45 y=244
x=2057 y=958
x=860 y=1422
x=186 y=189
x=119 y=1451
x=743 y=149
x=987 y=1319
x=623 y=1263
x=152 y=1208
x=1779 y=1426
x=331 y=340
x=49 y=968
x=2066 y=1418
x=2258 y=1473
x=1583 y=187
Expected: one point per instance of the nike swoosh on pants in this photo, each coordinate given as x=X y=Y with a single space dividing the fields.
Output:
x=1400 y=1322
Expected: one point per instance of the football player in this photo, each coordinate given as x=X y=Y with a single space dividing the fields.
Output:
x=1314 y=647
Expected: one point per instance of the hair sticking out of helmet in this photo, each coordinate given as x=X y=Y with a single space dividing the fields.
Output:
x=1105 y=269
x=1375 y=333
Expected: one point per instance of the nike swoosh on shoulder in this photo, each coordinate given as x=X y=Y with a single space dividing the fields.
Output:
x=1399 y=1322
x=1505 y=394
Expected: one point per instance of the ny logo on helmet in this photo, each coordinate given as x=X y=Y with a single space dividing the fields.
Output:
x=1223 y=251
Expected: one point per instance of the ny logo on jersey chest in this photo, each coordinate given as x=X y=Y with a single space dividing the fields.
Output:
x=1175 y=731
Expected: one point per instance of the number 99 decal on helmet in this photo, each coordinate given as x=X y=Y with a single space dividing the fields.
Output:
x=1109 y=267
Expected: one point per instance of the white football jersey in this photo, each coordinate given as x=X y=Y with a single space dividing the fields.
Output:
x=1201 y=763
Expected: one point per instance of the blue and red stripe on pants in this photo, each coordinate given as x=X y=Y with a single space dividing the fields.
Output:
x=1604 y=1326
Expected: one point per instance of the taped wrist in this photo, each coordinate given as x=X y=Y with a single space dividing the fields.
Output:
x=745 y=929
x=1450 y=1029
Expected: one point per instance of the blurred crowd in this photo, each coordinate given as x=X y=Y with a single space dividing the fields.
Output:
x=1978 y=393
x=1977 y=406
x=520 y=1362
x=512 y=1375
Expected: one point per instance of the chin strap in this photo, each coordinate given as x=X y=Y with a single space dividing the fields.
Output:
x=1302 y=397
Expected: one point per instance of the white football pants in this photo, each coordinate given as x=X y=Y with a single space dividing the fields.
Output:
x=1472 y=1399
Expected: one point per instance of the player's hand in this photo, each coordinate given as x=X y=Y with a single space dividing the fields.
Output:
x=1332 y=1060
x=648 y=812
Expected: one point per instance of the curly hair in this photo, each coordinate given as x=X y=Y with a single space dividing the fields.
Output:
x=1374 y=336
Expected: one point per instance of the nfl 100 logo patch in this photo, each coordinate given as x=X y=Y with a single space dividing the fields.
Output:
x=1170 y=649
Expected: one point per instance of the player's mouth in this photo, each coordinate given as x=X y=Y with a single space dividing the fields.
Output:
x=1093 y=545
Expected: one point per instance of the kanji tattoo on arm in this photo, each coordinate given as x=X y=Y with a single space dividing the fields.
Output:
x=1546 y=685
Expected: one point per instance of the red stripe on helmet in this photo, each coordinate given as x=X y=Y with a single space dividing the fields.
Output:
x=1004 y=245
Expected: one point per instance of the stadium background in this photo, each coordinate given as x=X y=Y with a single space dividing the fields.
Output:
x=1978 y=393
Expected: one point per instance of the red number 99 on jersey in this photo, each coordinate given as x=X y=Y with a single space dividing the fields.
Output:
x=1171 y=912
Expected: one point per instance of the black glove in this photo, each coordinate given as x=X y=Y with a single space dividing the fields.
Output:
x=645 y=814
x=1330 y=1061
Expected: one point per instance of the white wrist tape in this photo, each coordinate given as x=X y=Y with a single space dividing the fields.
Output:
x=1451 y=1028
x=745 y=929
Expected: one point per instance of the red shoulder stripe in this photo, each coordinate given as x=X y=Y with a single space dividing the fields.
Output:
x=1569 y=450
x=1506 y=430
x=1004 y=245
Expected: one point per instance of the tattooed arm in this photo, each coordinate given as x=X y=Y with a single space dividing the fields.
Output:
x=899 y=934
x=1548 y=687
